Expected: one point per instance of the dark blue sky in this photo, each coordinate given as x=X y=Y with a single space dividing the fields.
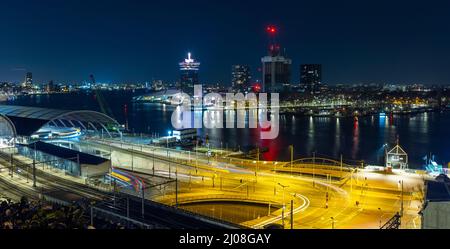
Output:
x=131 y=40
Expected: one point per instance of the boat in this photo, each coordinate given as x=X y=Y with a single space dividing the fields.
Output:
x=432 y=167
x=157 y=96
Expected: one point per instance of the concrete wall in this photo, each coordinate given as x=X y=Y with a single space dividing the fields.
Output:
x=436 y=215
x=92 y=170
x=124 y=160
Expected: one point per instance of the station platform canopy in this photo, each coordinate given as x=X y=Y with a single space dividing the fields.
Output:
x=25 y=120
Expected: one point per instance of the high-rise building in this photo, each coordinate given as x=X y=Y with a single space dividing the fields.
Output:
x=50 y=86
x=311 y=77
x=276 y=67
x=28 y=80
x=240 y=77
x=276 y=72
x=189 y=74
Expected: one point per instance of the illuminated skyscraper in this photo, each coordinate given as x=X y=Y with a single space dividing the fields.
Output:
x=276 y=68
x=28 y=80
x=189 y=74
x=240 y=77
x=311 y=77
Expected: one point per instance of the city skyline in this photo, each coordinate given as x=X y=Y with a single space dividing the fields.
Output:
x=125 y=42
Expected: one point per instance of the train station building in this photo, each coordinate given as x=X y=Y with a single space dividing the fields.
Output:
x=36 y=133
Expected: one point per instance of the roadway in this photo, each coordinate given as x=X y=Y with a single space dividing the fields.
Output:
x=359 y=199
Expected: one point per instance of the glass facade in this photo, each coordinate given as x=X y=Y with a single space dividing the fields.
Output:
x=68 y=166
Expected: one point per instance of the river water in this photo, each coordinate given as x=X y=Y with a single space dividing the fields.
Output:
x=419 y=134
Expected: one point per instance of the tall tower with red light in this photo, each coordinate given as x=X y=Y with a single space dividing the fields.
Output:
x=276 y=67
x=274 y=46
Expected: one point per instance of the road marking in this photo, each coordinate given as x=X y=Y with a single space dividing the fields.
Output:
x=302 y=207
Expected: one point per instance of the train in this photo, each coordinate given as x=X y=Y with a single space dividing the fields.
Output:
x=126 y=180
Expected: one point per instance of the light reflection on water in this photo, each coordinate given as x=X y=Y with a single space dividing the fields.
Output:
x=419 y=134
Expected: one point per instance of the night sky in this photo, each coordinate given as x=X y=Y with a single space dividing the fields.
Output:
x=356 y=41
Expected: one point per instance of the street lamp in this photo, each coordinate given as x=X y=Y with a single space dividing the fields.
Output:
x=153 y=156
x=291 y=147
x=284 y=205
x=314 y=164
x=257 y=164
x=379 y=209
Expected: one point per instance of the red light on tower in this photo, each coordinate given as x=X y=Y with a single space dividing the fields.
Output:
x=256 y=87
x=271 y=30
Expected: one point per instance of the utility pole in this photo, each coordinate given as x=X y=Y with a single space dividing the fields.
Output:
x=153 y=164
x=196 y=157
x=257 y=163
x=401 y=209
x=176 y=192
x=284 y=204
x=351 y=181
x=114 y=191
x=292 y=214
x=143 y=198
x=12 y=165
x=92 y=215
x=169 y=165
x=34 y=173
x=314 y=165
x=292 y=156
x=379 y=209
x=132 y=160
x=128 y=207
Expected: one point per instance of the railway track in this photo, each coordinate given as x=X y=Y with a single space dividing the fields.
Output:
x=51 y=182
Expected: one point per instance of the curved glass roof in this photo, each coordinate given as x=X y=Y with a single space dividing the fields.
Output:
x=28 y=120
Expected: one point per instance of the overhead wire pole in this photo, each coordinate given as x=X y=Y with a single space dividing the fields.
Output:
x=34 y=173
x=291 y=147
x=314 y=164
x=153 y=168
x=292 y=214
x=284 y=204
x=257 y=164
x=12 y=165
x=401 y=207
x=176 y=190
x=143 y=198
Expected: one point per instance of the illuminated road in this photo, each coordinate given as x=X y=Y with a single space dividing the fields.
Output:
x=358 y=200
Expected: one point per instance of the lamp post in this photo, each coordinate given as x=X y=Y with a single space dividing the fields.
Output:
x=284 y=204
x=257 y=164
x=196 y=157
x=167 y=142
x=132 y=159
x=379 y=209
x=153 y=156
x=291 y=147
x=169 y=165
x=401 y=207
x=314 y=164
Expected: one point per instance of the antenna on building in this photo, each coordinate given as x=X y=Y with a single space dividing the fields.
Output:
x=274 y=47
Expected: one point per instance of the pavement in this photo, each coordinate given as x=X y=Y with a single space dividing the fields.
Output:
x=362 y=199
